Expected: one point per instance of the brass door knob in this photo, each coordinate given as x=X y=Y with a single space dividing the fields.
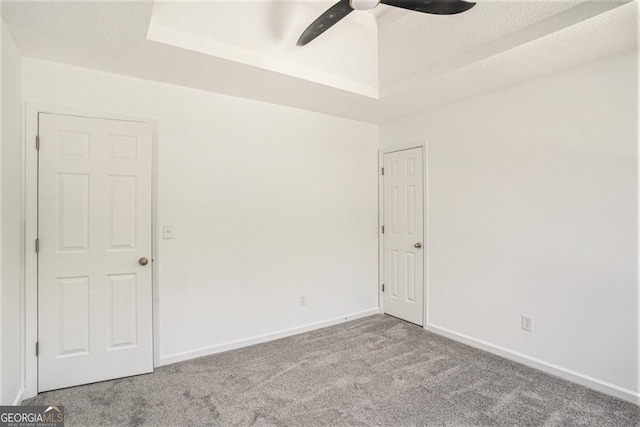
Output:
x=143 y=261
x=417 y=245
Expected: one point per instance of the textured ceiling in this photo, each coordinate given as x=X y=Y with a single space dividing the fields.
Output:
x=420 y=61
x=420 y=41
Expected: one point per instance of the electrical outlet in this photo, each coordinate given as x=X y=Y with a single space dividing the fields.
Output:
x=527 y=323
x=167 y=231
x=303 y=300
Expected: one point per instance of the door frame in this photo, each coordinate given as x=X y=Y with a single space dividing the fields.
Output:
x=424 y=144
x=32 y=111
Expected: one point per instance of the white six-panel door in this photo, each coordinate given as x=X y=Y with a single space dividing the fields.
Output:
x=403 y=235
x=94 y=227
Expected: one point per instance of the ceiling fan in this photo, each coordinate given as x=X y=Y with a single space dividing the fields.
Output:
x=345 y=7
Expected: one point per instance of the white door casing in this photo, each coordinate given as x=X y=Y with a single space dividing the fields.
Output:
x=94 y=225
x=403 y=219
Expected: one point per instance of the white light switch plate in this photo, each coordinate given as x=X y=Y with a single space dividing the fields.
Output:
x=167 y=231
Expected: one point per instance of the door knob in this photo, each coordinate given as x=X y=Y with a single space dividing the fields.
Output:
x=417 y=245
x=143 y=261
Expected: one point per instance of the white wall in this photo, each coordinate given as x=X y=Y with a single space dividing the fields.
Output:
x=10 y=224
x=533 y=209
x=267 y=203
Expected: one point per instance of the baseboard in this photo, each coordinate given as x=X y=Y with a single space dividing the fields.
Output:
x=558 y=371
x=19 y=397
x=219 y=348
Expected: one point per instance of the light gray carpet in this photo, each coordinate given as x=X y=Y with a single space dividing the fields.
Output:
x=374 y=371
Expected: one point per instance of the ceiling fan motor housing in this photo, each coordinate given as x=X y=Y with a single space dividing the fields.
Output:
x=363 y=4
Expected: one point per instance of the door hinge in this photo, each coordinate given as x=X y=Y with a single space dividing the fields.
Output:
x=383 y=287
x=37 y=245
x=382 y=171
x=383 y=229
x=37 y=142
x=37 y=349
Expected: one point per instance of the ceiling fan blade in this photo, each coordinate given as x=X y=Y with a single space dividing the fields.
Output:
x=325 y=21
x=436 y=7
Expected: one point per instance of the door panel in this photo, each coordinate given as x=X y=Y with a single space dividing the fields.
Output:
x=74 y=315
x=94 y=223
x=123 y=311
x=404 y=219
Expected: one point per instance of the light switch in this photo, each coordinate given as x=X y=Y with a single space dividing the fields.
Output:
x=167 y=231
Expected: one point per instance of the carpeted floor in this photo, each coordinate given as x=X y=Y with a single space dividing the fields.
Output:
x=374 y=371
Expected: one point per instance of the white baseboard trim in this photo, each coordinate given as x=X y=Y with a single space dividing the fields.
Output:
x=219 y=348
x=567 y=374
x=19 y=397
